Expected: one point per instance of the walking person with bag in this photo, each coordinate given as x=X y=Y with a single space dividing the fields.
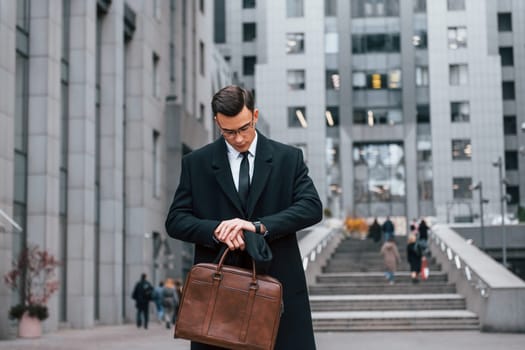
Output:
x=246 y=184
x=414 y=255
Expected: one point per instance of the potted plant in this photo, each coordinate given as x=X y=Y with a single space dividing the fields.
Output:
x=33 y=277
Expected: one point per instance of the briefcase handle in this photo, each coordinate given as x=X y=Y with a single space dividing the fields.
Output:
x=218 y=273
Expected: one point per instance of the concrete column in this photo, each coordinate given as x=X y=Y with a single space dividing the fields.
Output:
x=7 y=112
x=111 y=158
x=43 y=134
x=81 y=206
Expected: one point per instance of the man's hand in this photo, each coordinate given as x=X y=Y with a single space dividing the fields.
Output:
x=231 y=233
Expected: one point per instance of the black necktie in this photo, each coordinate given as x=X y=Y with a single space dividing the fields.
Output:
x=244 y=179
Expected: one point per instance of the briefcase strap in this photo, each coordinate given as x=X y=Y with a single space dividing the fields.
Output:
x=221 y=263
x=211 y=303
x=248 y=312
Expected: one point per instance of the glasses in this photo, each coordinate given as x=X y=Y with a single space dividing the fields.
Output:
x=230 y=134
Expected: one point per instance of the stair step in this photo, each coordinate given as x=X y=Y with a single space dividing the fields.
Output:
x=352 y=294
x=369 y=277
x=387 y=302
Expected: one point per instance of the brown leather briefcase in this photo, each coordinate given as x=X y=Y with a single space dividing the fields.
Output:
x=230 y=307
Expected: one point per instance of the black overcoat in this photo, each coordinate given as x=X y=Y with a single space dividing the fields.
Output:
x=282 y=196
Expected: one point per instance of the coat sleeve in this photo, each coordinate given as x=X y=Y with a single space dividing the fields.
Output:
x=181 y=223
x=306 y=207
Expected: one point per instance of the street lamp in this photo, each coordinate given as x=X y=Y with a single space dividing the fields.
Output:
x=479 y=186
x=501 y=183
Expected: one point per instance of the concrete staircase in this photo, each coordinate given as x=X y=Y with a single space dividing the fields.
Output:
x=352 y=294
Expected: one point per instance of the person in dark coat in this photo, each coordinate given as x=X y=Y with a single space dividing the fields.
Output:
x=388 y=229
x=414 y=256
x=208 y=211
x=374 y=231
x=142 y=294
x=423 y=230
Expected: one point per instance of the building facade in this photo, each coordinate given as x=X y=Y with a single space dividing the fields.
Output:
x=401 y=106
x=100 y=100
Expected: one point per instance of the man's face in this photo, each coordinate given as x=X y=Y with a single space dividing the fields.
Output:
x=239 y=130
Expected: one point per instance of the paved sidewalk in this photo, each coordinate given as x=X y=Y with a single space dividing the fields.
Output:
x=128 y=337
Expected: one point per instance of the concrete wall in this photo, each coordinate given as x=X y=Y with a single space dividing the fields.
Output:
x=495 y=294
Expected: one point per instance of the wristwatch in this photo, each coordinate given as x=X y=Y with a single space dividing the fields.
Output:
x=257 y=225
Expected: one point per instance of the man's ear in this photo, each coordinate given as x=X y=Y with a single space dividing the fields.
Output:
x=255 y=115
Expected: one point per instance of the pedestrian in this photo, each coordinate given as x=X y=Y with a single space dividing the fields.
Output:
x=178 y=297
x=388 y=229
x=413 y=226
x=142 y=294
x=168 y=301
x=414 y=255
x=423 y=230
x=374 y=231
x=245 y=182
x=391 y=258
x=157 y=299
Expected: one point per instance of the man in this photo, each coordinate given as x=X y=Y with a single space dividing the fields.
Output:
x=142 y=294
x=388 y=228
x=209 y=211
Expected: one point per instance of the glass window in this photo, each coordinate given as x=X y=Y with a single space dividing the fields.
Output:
x=420 y=6
x=297 y=117
x=461 y=187
x=219 y=21
x=426 y=190
x=419 y=40
x=457 y=37
x=509 y=92
x=248 y=65
x=331 y=43
x=514 y=193
x=249 y=31
x=332 y=116
x=202 y=56
x=380 y=116
x=509 y=125
x=248 y=4
x=511 y=160
x=375 y=8
x=22 y=15
x=294 y=43
x=461 y=149
x=369 y=43
x=507 y=56
x=455 y=5
x=459 y=111
x=423 y=114
x=330 y=8
x=294 y=8
x=332 y=79
x=422 y=78
x=379 y=172
x=458 y=74
x=156 y=164
x=155 y=76
x=377 y=80
x=296 y=79
x=394 y=79
x=505 y=22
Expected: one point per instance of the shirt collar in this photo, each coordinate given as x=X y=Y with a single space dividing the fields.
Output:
x=233 y=153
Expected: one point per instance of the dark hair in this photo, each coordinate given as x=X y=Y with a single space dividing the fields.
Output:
x=230 y=101
x=143 y=277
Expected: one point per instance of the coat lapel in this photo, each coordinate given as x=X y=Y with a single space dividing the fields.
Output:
x=223 y=174
x=261 y=173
